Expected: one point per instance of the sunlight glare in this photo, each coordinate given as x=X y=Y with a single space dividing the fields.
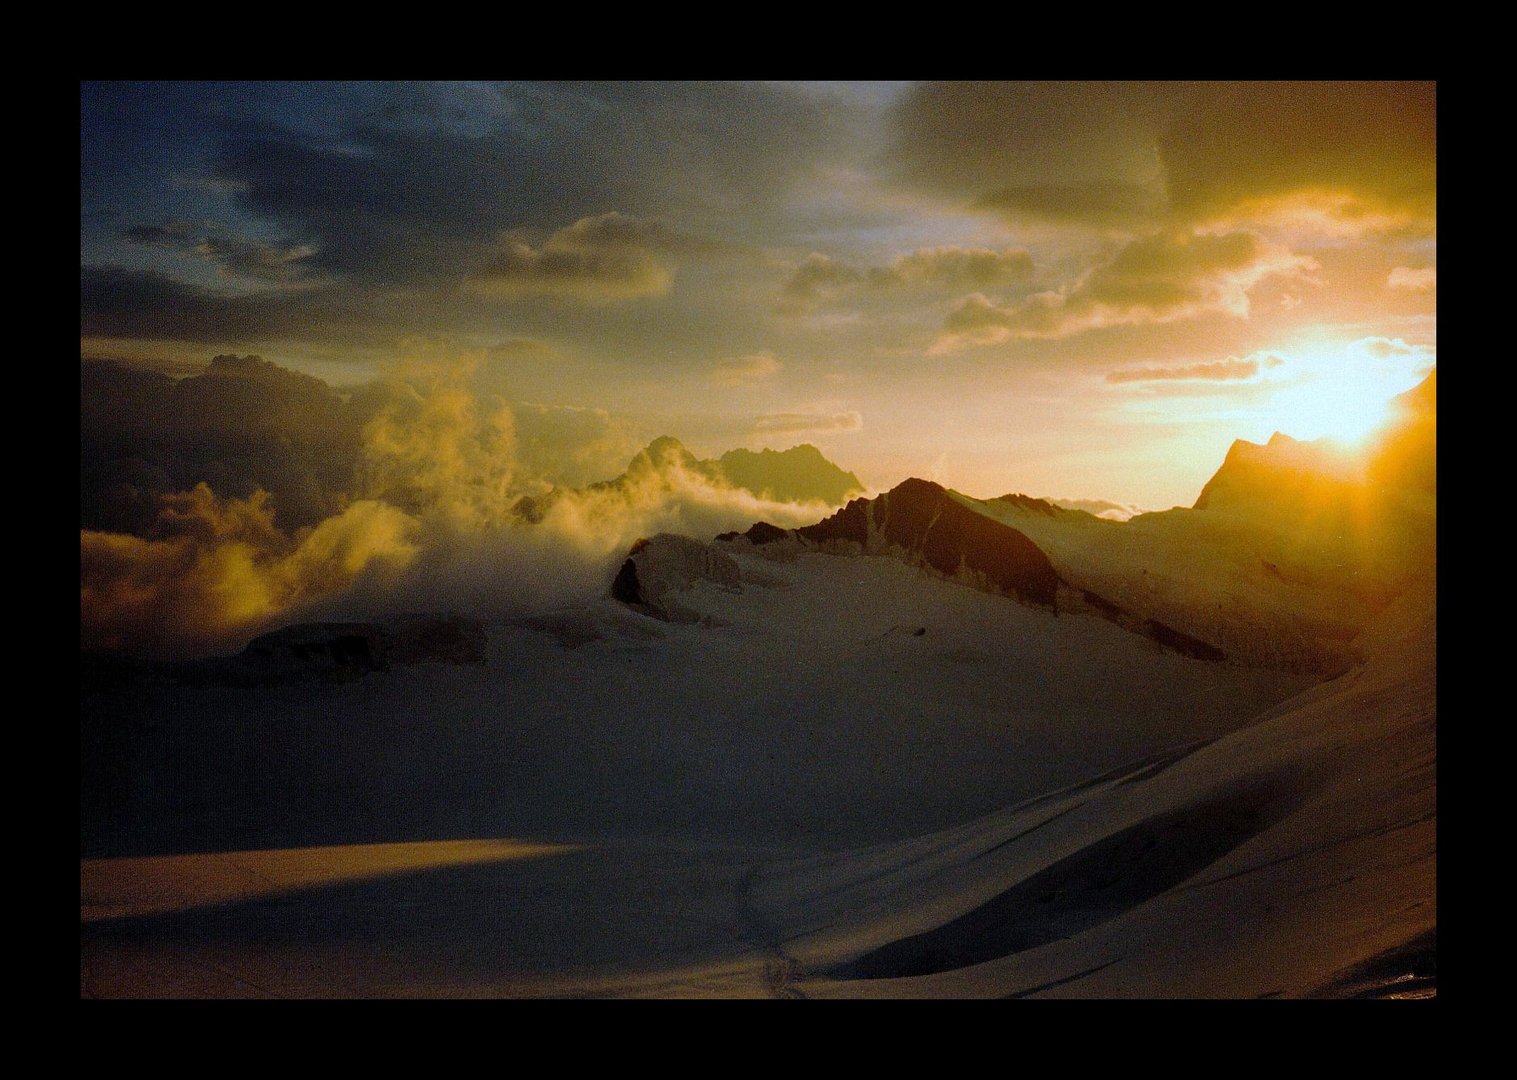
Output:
x=1341 y=391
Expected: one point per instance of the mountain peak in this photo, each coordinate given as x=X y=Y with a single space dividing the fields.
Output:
x=800 y=474
x=661 y=454
x=1421 y=400
x=665 y=444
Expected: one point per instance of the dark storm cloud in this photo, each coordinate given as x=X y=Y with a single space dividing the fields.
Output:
x=259 y=262
x=118 y=302
x=1069 y=151
x=396 y=203
x=170 y=234
x=242 y=425
x=1128 y=153
x=1235 y=141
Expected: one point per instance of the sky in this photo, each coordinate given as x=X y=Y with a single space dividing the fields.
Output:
x=1076 y=290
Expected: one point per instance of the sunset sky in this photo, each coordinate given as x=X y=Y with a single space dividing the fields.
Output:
x=1073 y=290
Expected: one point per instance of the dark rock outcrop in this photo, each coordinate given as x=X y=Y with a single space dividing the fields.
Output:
x=333 y=652
x=919 y=518
x=760 y=532
x=658 y=570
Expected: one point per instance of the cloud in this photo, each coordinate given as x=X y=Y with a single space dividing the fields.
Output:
x=790 y=423
x=1102 y=508
x=569 y=446
x=235 y=256
x=1375 y=142
x=749 y=369
x=958 y=267
x=434 y=448
x=426 y=525
x=1165 y=277
x=1079 y=152
x=241 y=425
x=1421 y=280
x=609 y=257
x=1096 y=202
x=221 y=571
x=116 y=302
x=406 y=184
x=169 y=234
x=1382 y=349
x=819 y=279
x=822 y=279
x=260 y=262
x=1211 y=371
x=1114 y=154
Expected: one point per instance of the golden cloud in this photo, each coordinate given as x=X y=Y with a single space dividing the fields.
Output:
x=749 y=369
x=1122 y=154
x=597 y=259
x=1166 y=277
x=222 y=570
x=1421 y=280
x=822 y=279
x=793 y=422
x=1231 y=369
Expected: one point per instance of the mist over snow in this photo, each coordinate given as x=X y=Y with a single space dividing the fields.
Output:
x=424 y=522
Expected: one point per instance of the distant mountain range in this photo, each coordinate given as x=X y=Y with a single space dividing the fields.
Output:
x=799 y=475
x=1290 y=551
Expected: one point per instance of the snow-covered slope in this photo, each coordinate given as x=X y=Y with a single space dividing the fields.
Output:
x=815 y=773
x=1067 y=812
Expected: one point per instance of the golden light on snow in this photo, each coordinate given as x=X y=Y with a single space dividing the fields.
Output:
x=155 y=885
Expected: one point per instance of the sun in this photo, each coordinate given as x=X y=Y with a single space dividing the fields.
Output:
x=1345 y=411
x=1340 y=391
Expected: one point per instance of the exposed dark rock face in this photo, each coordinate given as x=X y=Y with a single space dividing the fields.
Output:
x=332 y=651
x=625 y=585
x=659 y=569
x=759 y=533
x=851 y=524
x=1184 y=644
x=530 y=509
x=921 y=516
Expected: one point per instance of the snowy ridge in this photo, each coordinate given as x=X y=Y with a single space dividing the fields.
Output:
x=924 y=524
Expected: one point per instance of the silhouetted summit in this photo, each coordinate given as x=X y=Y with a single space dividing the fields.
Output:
x=800 y=474
x=1322 y=478
x=921 y=518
